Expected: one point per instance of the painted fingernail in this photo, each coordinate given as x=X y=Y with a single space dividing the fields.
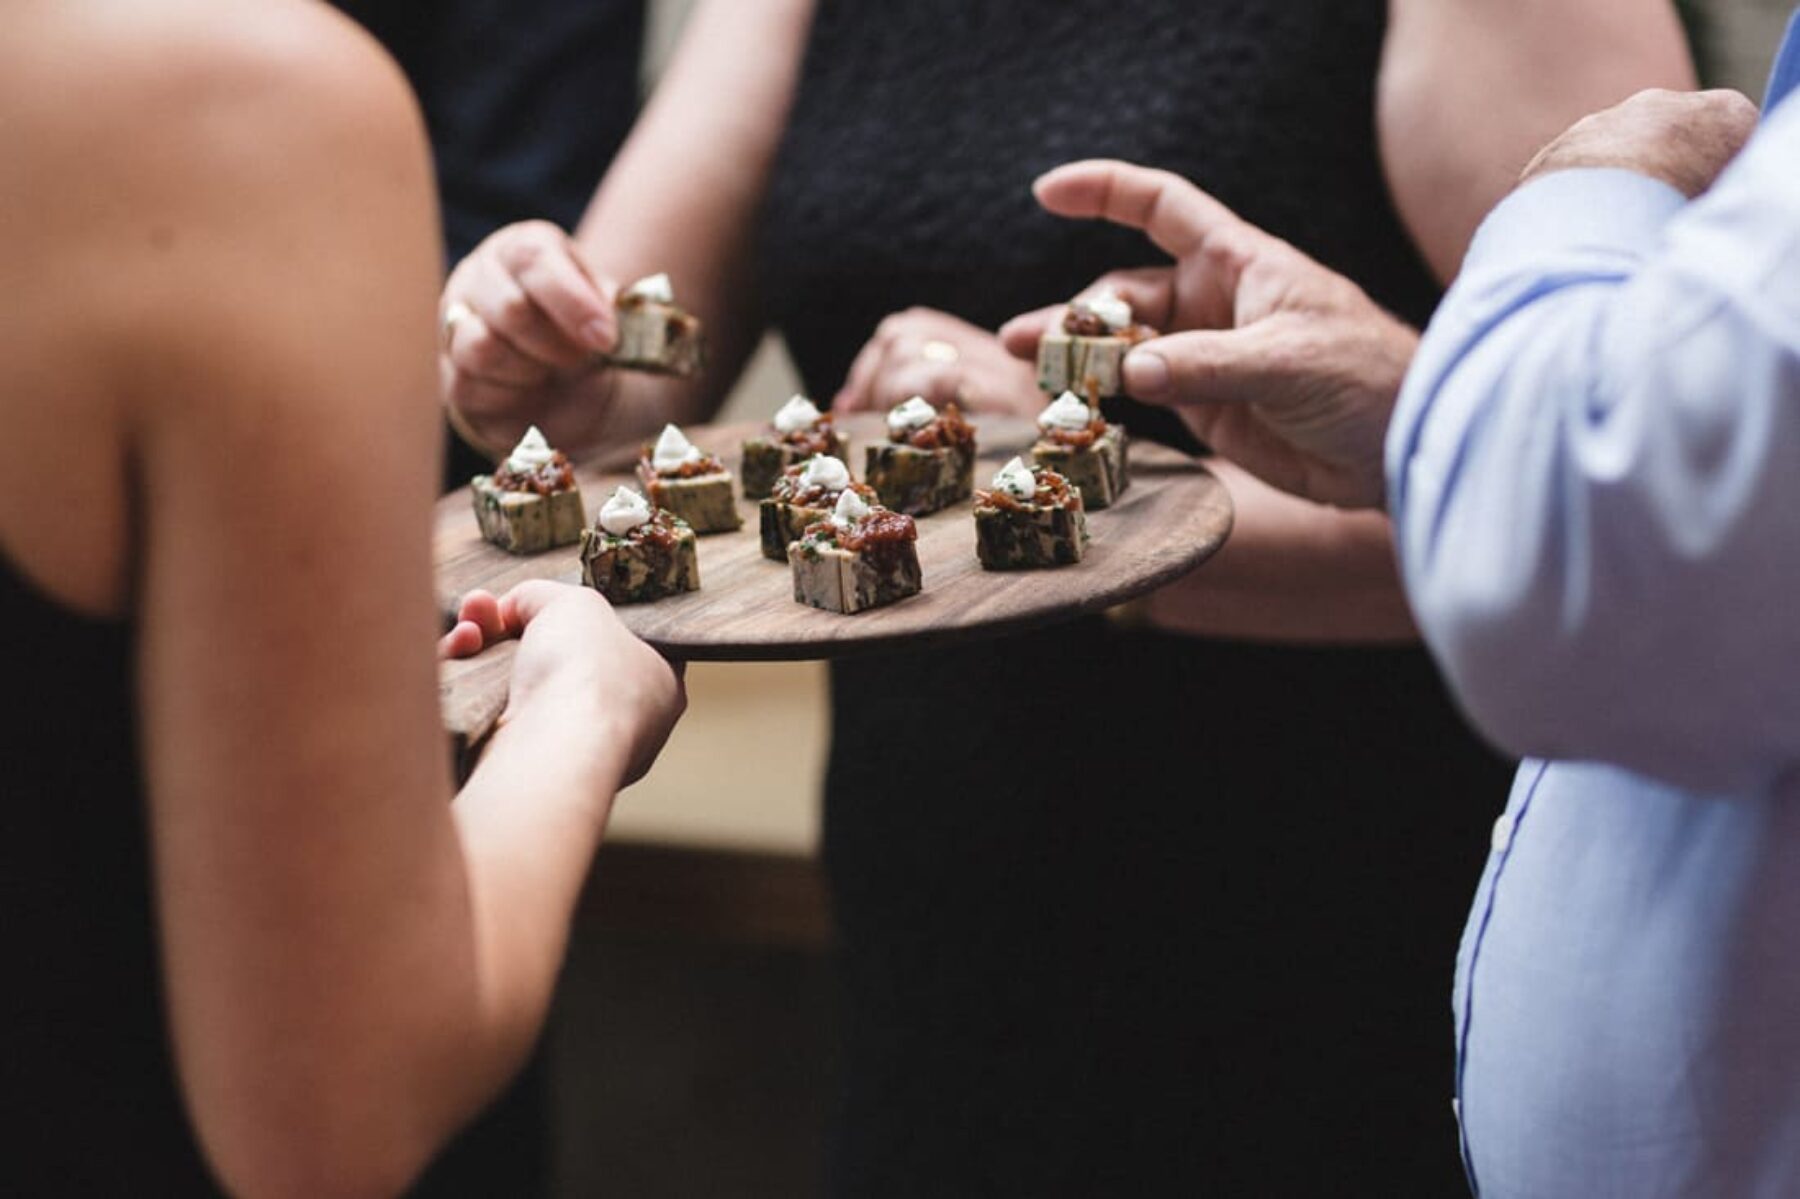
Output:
x=1146 y=373
x=598 y=335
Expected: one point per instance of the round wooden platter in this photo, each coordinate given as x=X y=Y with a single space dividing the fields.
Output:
x=1173 y=516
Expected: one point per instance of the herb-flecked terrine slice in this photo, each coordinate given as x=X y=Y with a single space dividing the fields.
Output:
x=1085 y=352
x=804 y=495
x=927 y=463
x=693 y=485
x=654 y=334
x=860 y=557
x=799 y=431
x=651 y=555
x=1078 y=444
x=530 y=503
x=1031 y=519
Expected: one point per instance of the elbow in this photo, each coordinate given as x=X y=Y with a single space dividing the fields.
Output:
x=333 y=1151
x=1505 y=666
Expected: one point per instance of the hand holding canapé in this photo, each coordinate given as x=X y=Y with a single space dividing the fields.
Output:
x=1281 y=365
x=525 y=320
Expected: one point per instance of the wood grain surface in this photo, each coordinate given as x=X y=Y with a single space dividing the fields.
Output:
x=1171 y=519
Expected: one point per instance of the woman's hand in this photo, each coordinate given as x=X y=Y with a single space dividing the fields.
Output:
x=923 y=352
x=576 y=662
x=522 y=320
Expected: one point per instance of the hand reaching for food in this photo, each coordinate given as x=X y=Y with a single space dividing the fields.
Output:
x=1276 y=362
x=923 y=352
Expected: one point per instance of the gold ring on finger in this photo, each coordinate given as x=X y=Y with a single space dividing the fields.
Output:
x=453 y=314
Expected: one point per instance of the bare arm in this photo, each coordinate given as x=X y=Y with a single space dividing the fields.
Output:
x=1470 y=89
x=1292 y=571
x=353 y=965
x=682 y=197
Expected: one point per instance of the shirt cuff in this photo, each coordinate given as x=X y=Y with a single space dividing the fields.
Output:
x=1589 y=209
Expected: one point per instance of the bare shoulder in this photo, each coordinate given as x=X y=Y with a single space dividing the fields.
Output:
x=188 y=180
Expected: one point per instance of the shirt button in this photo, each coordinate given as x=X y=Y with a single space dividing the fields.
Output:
x=1503 y=833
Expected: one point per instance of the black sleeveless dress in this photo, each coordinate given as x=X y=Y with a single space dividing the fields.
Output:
x=1197 y=939
x=88 y=1099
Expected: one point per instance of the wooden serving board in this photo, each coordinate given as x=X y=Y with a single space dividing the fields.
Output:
x=1174 y=515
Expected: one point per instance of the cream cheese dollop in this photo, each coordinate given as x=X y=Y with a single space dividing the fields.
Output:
x=1066 y=412
x=822 y=470
x=797 y=414
x=913 y=414
x=1016 y=480
x=531 y=453
x=655 y=288
x=1112 y=309
x=851 y=508
x=624 y=511
x=673 y=451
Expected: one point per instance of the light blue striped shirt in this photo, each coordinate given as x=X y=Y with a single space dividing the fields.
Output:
x=1594 y=472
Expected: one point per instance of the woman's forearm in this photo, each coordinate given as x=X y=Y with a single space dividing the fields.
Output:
x=1292 y=571
x=683 y=195
x=1470 y=89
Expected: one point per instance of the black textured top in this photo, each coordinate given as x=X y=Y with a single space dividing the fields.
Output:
x=1119 y=912
x=88 y=1098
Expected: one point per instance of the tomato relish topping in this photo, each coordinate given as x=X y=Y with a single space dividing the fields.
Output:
x=949 y=429
x=882 y=526
x=821 y=438
x=1053 y=491
x=661 y=530
x=549 y=478
x=705 y=464
x=792 y=488
x=1076 y=439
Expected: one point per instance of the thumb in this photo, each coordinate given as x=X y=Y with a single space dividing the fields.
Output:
x=527 y=601
x=1022 y=333
x=1199 y=367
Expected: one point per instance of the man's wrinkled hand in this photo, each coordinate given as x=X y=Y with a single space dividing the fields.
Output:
x=1276 y=362
x=1685 y=139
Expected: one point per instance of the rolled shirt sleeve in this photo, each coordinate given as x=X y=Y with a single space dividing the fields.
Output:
x=1594 y=472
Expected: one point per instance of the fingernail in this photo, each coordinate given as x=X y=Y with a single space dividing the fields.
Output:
x=598 y=335
x=1146 y=373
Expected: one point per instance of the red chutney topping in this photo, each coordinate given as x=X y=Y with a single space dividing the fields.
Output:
x=1052 y=492
x=949 y=429
x=551 y=478
x=789 y=489
x=880 y=527
x=1081 y=322
x=705 y=464
x=1076 y=439
x=818 y=438
x=655 y=539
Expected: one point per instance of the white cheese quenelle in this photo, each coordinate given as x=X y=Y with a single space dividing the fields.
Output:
x=915 y=413
x=851 y=509
x=673 y=450
x=797 y=414
x=822 y=470
x=1112 y=309
x=1067 y=411
x=1016 y=480
x=531 y=453
x=624 y=511
x=655 y=288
